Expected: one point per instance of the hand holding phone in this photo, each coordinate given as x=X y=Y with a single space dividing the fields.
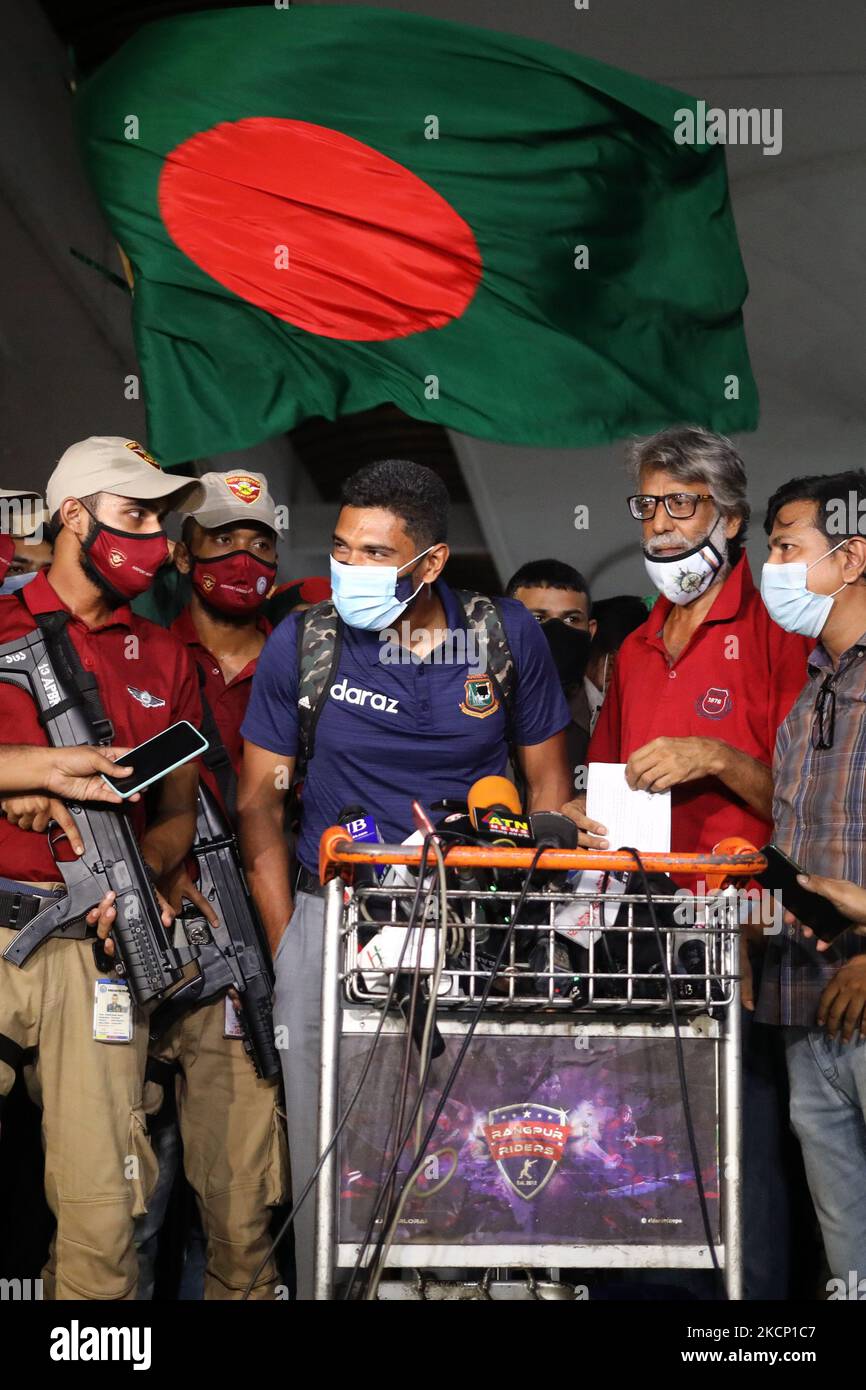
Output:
x=810 y=909
x=157 y=757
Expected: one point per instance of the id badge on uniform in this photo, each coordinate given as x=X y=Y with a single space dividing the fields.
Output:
x=233 y=1028
x=112 y=1012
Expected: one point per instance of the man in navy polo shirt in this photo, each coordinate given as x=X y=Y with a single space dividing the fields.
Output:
x=399 y=722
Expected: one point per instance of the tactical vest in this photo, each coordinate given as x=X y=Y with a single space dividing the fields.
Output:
x=321 y=640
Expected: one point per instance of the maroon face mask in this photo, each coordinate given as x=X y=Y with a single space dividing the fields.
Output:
x=125 y=560
x=235 y=583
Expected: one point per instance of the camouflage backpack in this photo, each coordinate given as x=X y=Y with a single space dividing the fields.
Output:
x=321 y=640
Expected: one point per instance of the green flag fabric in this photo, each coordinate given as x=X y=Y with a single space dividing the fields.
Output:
x=329 y=208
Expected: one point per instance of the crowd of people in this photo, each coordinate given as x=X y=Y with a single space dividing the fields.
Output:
x=746 y=704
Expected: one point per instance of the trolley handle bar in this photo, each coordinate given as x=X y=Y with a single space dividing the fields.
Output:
x=337 y=852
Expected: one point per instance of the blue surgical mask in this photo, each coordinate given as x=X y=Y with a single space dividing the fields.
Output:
x=17 y=581
x=789 y=600
x=372 y=597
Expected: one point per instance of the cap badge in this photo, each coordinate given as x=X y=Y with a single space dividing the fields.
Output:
x=244 y=487
x=136 y=448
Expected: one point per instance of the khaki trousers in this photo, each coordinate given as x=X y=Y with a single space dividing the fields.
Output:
x=234 y=1147
x=99 y=1166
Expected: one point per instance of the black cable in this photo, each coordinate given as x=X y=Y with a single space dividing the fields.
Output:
x=407 y=1051
x=387 y=1219
x=681 y=1068
x=458 y=1062
x=341 y=1124
x=403 y=1136
x=425 y=1063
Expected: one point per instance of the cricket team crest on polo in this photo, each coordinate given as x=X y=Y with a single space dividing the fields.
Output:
x=480 y=698
x=527 y=1142
x=715 y=704
x=244 y=487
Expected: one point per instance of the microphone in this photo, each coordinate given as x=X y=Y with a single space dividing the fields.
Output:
x=496 y=814
x=363 y=830
x=553 y=830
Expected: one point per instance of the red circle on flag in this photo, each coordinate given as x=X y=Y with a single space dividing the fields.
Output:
x=318 y=229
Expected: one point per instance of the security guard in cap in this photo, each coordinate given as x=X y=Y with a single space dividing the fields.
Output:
x=234 y=1147
x=106 y=498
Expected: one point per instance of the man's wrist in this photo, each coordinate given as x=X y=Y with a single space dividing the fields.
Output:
x=718 y=757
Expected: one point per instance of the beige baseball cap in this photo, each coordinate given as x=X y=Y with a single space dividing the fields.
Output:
x=110 y=463
x=233 y=497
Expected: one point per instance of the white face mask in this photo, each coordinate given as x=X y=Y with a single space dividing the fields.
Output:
x=683 y=578
x=789 y=600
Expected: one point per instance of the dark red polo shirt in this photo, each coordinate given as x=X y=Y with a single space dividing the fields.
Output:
x=146 y=681
x=227 y=699
x=736 y=681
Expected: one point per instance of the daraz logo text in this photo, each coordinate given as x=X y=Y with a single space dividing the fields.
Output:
x=341 y=690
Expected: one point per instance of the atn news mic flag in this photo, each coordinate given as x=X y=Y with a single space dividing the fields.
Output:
x=328 y=208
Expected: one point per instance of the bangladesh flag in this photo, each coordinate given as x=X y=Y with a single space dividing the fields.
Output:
x=329 y=208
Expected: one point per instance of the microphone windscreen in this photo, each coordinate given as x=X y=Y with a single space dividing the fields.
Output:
x=493 y=791
x=553 y=829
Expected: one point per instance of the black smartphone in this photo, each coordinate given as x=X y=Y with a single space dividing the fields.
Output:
x=811 y=909
x=158 y=756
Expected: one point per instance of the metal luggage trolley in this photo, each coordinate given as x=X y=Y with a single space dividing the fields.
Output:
x=563 y=1143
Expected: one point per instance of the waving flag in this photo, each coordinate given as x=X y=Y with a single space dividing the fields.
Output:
x=330 y=208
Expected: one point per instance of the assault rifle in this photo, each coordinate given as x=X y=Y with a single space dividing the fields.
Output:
x=46 y=665
x=234 y=954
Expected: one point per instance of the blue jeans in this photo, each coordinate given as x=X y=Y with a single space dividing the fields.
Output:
x=828 y=1096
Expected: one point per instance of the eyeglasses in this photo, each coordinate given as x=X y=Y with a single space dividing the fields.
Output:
x=824 y=724
x=678 y=505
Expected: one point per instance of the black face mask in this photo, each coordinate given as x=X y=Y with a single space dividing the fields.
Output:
x=569 y=647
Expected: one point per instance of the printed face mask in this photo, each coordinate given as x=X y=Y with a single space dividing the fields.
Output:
x=683 y=578
x=126 y=561
x=233 y=583
x=789 y=600
x=372 y=597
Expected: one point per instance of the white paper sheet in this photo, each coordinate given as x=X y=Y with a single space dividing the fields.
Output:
x=641 y=819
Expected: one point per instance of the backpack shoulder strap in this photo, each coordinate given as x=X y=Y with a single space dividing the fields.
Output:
x=320 y=640
x=484 y=616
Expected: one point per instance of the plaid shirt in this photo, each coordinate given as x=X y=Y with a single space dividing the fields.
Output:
x=819 y=816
